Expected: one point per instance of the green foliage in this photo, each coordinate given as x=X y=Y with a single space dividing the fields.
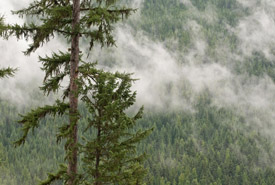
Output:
x=257 y=65
x=56 y=17
x=227 y=9
x=56 y=68
x=29 y=163
x=110 y=154
x=2 y=155
x=31 y=120
x=173 y=20
x=6 y=72
x=1 y=25
x=212 y=145
x=62 y=18
x=61 y=174
x=209 y=146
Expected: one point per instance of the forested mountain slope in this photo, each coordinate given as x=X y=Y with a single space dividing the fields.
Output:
x=225 y=134
x=209 y=146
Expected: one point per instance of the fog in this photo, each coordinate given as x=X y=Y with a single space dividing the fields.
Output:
x=168 y=79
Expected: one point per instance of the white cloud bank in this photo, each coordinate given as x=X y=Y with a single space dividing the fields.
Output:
x=168 y=80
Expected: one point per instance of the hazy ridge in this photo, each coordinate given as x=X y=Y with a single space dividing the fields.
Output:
x=207 y=80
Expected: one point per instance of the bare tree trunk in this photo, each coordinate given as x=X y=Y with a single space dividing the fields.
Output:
x=72 y=159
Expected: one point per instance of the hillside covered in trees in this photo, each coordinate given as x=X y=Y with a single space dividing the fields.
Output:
x=206 y=71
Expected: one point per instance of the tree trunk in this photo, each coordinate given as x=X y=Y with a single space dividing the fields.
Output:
x=97 y=175
x=73 y=96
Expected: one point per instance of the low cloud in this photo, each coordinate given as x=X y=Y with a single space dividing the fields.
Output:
x=170 y=80
x=22 y=89
x=256 y=31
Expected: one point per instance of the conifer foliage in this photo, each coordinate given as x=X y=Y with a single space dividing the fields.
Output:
x=110 y=153
x=5 y=72
x=108 y=156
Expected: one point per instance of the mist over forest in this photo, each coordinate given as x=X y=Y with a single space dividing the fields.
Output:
x=206 y=79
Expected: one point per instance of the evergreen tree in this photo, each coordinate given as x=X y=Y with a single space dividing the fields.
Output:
x=89 y=19
x=110 y=154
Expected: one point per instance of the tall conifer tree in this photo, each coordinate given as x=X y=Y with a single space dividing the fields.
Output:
x=73 y=19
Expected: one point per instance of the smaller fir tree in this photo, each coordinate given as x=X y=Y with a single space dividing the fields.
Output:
x=109 y=154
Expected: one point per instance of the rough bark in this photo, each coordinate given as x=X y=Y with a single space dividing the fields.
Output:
x=73 y=97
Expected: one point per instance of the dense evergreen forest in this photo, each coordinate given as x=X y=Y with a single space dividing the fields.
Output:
x=210 y=144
